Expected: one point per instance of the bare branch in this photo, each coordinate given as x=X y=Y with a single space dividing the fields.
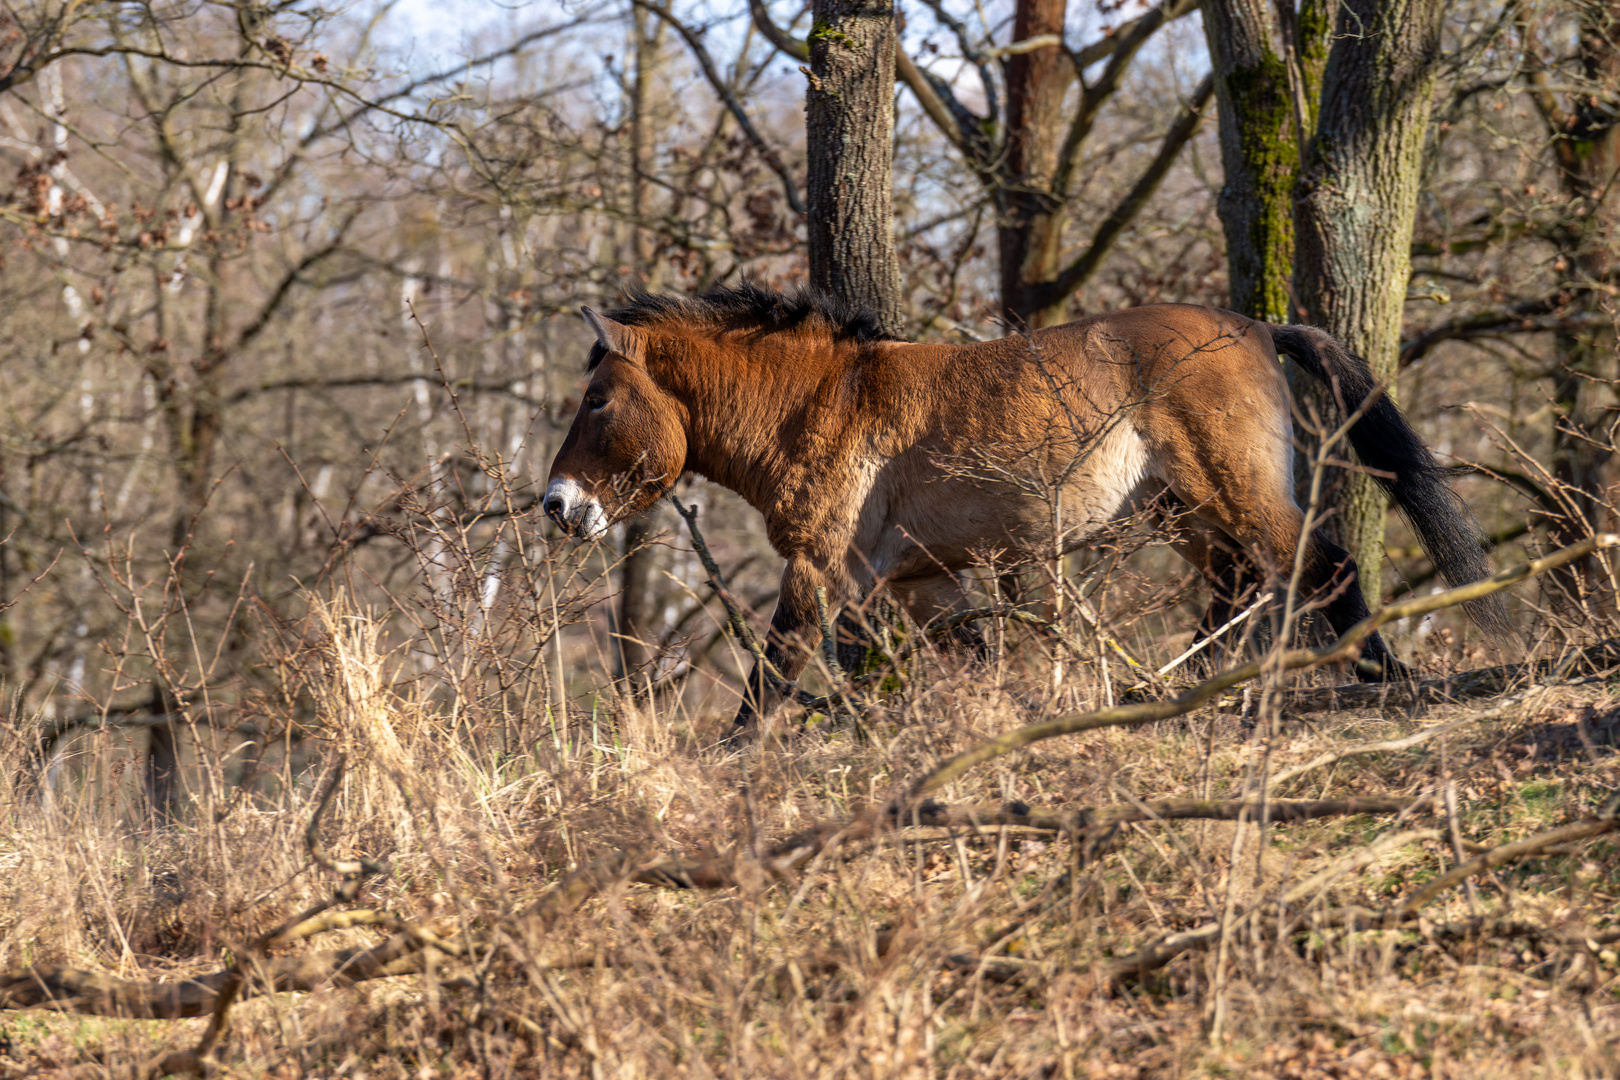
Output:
x=1028 y=45
x=1544 y=315
x=1500 y=856
x=277 y=295
x=1104 y=47
x=355 y=869
x=728 y=96
x=1114 y=225
x=953 y=119
x=341 y=382
x=971 y=53
x=1495 y=712
x=1127 y=41
x=936 y=815
x=784 y=41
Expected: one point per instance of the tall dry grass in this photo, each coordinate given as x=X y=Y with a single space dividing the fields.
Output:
x=487 y=755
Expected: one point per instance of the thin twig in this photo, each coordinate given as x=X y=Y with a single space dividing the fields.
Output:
x=1204 y=642
x=829 y=645
x=353 y=870
x=1500 y=856
x=1384 y=746
x=734 y=614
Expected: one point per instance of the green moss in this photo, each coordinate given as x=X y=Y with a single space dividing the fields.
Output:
x=1543 y=798
x=1315 y=35
x=1584 y=148
x=821 y=30
x=1263 y=112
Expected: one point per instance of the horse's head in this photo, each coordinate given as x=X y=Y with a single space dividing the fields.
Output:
x=628 y=442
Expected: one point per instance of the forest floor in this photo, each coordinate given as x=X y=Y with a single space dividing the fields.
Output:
x=619 y=896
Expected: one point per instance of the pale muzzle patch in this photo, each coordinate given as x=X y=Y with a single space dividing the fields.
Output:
x=576 y=512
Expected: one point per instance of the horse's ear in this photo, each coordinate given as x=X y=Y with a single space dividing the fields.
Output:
x=615 y=337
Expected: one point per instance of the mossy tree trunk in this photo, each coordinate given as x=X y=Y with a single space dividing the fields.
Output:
x=849 y=125
x=1356 y=205
x=1262 y=105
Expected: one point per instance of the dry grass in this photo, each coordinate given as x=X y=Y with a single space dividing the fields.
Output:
x=935 y=951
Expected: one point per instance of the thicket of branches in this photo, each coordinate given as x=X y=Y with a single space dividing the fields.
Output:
x=223 y=219
x=292 y=338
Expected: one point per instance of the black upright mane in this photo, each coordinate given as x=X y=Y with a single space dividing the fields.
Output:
x=750 y=306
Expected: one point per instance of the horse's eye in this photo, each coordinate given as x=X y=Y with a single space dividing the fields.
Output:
x=595 y=402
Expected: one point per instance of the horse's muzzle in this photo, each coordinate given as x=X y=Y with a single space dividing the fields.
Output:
x=574 y=511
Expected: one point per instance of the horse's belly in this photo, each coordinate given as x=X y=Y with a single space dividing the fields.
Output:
x=1107 y=482
x=924 y=516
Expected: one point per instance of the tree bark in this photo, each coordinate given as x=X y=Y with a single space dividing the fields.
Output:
x=1356 y=205
x=1030 y=229
x=633 y=633
x=649 y=33
x=849 y=124
x=1262 y=108
x=1586 y=146
x=162 y=766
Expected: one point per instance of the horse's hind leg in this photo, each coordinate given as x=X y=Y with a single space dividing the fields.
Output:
x=1248 y=496
x=1232 y=580
x=1332 y=577
x=853 y=640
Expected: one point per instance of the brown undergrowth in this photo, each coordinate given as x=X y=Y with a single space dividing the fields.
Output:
x=1272 y=883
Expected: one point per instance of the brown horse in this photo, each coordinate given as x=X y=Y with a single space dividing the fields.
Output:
x=883 y=463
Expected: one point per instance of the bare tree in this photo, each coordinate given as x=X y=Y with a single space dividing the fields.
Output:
x=633 y=630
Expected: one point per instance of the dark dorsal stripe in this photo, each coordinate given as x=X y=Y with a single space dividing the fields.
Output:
x=750 y=306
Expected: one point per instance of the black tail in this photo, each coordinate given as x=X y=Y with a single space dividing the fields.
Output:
x=1386 y=442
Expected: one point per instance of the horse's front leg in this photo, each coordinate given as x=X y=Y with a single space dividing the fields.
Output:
x=795 y=630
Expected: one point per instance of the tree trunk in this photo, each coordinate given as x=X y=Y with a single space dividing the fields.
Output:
x=1031 y=214
x=1268 y=80
x=631 y=650
x=849 y=124
x=162 y=767
x=1028 y=171
x=1586 y=143
x=1260 y=144
x=649 y=34
x=1356 y=207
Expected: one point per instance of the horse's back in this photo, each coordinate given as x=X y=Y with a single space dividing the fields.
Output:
x=1143 y=360
x=1158 y=338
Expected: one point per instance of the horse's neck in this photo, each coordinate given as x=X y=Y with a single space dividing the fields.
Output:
x=738 y=408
